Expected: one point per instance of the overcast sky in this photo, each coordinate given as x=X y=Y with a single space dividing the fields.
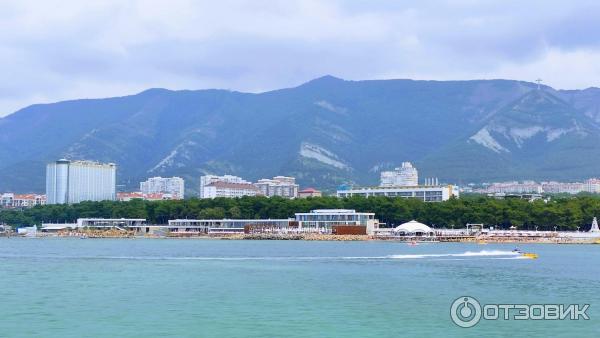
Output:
x=85 y=49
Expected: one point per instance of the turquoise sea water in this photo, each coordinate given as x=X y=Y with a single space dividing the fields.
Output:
x=218 y=288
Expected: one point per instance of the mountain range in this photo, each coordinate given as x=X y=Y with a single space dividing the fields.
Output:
x=326 y=132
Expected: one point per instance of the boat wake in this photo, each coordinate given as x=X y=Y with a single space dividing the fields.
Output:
x=488 y=254
x=483 y=253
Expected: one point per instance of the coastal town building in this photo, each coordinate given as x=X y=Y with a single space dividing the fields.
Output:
x=591 y=185
x=76 y=181
x=525 y=187
x=212 y=186
x=425 y=193
x=309 y=192
x=328 y=220
x=527 y=196
x=226 y=226
x=406 y=175
x=11 y=200
x=209 y=179
x=229 y=190
x=561 y=187
x=174 y=186
x=128 y=196
x=96 y=223
x=404 y=182
x=316 y=221
x=282 y=186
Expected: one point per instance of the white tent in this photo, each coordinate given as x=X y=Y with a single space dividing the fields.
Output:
x=414 y=228
x=595 y=226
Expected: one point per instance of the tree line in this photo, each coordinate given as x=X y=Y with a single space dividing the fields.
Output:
x=566 y=213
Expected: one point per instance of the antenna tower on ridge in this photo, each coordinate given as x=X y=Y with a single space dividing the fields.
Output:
x=539 y=81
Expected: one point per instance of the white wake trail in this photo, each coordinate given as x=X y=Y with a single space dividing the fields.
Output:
x=482 y=253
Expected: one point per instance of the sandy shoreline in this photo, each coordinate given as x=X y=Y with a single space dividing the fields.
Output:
x=481 y=240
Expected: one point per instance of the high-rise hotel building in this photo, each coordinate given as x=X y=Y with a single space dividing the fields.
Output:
x=77 y=181
x=405 y=176
x=174 y=186
x=404 y=182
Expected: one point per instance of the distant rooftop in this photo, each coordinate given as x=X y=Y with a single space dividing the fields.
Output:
x=85 y=162
x=307 y=190
x=229 y=185
x=331 y=211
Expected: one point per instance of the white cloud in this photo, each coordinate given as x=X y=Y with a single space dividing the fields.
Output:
x=56 y=50
x=558 y=68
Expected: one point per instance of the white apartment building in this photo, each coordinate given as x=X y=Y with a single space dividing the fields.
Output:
x=405 y=176
x=174 y=186
x=592 y=185
x=278 y=186
x=425 y=193
x=208 y=179
x=514 y=187
x=562 y=187
x=76 y=181
x=229 y=190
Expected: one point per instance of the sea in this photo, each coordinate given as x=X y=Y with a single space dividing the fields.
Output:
x=58 y=287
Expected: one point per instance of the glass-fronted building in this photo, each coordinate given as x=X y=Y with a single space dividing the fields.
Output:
x=326 y=218
x=224 y=225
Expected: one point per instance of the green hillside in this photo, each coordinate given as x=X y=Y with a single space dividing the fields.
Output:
x=326 y=132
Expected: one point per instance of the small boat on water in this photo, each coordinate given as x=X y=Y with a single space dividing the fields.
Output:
x=529 y=255
x=482 y=242
x=413 y=243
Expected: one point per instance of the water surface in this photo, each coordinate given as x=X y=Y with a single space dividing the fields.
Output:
x=216 y=288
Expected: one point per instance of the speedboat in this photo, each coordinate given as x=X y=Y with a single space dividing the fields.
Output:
x=529 y=255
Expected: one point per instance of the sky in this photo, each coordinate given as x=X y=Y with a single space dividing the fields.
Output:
x=59 y=50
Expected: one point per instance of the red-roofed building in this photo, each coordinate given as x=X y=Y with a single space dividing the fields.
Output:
x=10 y=200
x=229 y=190
x=309 y=192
